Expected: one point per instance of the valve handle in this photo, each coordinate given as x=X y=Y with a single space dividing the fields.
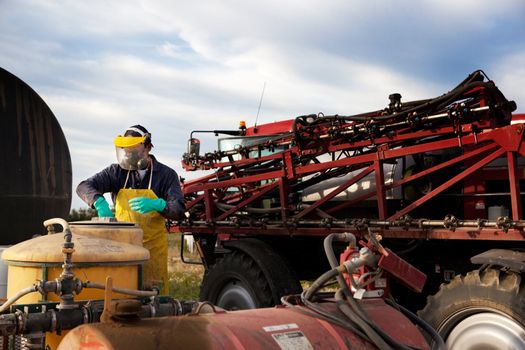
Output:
x=108 y=296
x=373 y=243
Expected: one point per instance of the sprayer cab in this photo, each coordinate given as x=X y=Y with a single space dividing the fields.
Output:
x=192 y=155
x=245 y=142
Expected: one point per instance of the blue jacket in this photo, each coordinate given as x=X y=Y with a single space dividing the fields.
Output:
x=165 y=184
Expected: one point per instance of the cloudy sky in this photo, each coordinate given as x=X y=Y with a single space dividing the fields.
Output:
x=175 y=66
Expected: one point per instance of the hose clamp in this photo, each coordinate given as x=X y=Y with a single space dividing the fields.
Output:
x=78 y=287
x=153 y=310
x=85 y=314
x=59 y=286
x=178 y=310
x=20 y=320
x=53 y=320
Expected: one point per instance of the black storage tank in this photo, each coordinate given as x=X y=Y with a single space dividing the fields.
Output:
x=35 y=164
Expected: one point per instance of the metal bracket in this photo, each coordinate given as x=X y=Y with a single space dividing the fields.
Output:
x=514 y=260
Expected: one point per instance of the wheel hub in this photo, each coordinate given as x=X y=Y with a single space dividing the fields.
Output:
x=486 y=330
x=235 y=296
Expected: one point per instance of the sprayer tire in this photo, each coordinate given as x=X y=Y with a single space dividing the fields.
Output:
x=487 y=299
x=251 y=276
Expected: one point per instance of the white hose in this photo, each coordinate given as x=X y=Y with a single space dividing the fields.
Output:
x=139 y=293
x=17 y=296
x=59 y=221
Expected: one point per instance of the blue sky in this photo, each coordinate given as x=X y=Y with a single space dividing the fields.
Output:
x=175 y=66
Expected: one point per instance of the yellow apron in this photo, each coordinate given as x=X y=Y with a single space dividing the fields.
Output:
x=155 y=235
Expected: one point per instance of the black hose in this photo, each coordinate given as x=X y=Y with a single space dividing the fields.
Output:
x=320 y=282
x=438 y=102
x=352 y=308
x=474 y=79
x=327 y=243
x=376 y=338
x=345 y=323
x=420 y=322
x=328 y=249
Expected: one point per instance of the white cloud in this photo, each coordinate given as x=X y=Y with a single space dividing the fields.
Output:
x=509 y=75
x=178 y=52
x=81 y=18
x=175 y=66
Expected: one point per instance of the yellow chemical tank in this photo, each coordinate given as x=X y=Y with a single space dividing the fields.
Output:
x=101 y=249
x=125 y=232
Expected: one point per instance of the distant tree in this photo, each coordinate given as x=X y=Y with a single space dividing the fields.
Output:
x=81 y=214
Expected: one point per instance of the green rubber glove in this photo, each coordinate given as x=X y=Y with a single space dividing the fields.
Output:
x=102 y=208
x=146 y=205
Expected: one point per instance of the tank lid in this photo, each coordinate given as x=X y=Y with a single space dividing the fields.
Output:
x=48 y=249
x=103 y=223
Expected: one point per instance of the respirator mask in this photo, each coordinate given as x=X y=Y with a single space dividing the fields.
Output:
x=131 y=153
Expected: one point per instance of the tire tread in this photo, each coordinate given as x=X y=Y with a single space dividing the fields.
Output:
x=490 y=288
x=258 y=266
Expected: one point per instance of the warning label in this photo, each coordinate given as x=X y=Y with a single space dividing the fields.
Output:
x=281 y=327
x=292 y=341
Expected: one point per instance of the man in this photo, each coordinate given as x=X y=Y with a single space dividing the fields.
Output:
x=144 y=192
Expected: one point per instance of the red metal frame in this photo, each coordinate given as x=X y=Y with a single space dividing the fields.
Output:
x=476 y=144
x=503 y=142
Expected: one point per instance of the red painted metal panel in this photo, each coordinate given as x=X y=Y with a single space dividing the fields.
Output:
x=234 y=182
x=380 y=191
x=254 y=196
x=195 y=201
x=514 y=186
x=210 y=206
x=270 y=128
x=261 y=329
x=301 y=165
x=403 y=271
x=448 y=183
x=467 y=234
x=414 y=177
x=335 y=192
x=284 y=189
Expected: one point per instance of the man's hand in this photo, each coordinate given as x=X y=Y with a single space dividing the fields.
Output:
x=146 y=205
x=102 y=208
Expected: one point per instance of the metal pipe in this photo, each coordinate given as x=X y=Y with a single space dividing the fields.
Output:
x=69 y=284
x=53 y=320
x=360 y=224
x=225 y=207
x=216 y=132
x=139 y=293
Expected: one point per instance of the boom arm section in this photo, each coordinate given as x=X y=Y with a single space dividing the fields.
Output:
x=437 y=156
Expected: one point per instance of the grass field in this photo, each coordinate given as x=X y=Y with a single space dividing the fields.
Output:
x=185 y=279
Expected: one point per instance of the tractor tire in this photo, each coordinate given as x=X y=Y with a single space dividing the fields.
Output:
x=252 y=276
x=483 y=310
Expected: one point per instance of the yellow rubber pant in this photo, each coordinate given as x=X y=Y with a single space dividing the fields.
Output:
x=155 y=236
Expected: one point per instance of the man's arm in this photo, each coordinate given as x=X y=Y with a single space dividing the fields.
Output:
x=94 y=187
x=173 y=196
